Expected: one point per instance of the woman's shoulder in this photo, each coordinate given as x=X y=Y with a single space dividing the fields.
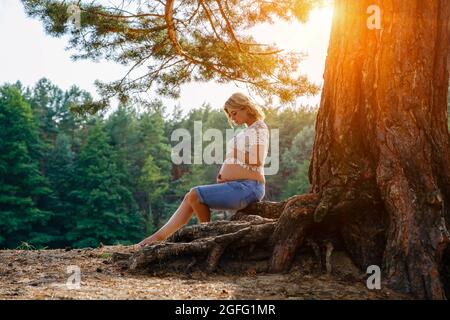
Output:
x=259 y=124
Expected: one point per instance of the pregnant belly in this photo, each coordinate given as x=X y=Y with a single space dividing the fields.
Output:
x=236 y=172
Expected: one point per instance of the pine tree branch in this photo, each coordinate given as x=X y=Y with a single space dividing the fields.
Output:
x=173 y=38
x=230 y=30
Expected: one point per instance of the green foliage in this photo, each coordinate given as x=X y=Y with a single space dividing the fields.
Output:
x=25 y=246
x=60 y=170
x=298 y=183
x=105 y=210
x=295 y=163
x=143 y=152
x=153 y=179
x=24 y=191
x=296 y=132
x=44 y=99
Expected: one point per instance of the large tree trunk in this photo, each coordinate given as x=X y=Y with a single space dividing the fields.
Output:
x=382 y=144
x=380 y=170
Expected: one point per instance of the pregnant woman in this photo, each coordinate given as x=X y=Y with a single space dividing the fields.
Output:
x=240 y=180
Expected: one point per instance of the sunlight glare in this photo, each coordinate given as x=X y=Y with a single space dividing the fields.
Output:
x=310 y=38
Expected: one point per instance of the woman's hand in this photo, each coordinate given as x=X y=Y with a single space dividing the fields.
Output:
x=219 y=179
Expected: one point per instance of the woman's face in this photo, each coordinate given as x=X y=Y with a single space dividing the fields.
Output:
x=238 y=116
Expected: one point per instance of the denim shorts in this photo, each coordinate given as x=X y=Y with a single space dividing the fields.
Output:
x=231 y=195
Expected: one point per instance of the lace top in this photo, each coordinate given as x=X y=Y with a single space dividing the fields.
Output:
x=251 y=140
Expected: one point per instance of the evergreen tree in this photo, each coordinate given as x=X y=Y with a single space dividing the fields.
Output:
x=60 y=172
x=296 y=136
x=122 y=132
x=300 y=150
x=105 y=210
x=298 y=183
x=44 y=99
x=68 y=121
x=153 y=153
x=24 y=192
x=295 y=163
x=156 y=183
x=52 y=109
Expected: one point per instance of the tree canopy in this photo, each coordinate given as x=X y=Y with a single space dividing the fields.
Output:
x=167 y=43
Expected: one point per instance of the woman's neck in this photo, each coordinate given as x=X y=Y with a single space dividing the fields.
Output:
x=251 y=121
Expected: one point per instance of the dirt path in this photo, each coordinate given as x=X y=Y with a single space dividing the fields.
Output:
x=33 y=274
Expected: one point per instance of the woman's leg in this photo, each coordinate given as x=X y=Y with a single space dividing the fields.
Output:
x=202 y=211
x=180 y=217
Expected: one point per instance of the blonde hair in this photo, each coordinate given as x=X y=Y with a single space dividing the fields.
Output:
x=241 y=101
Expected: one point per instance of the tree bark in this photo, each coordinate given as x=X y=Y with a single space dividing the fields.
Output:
x=382 y=143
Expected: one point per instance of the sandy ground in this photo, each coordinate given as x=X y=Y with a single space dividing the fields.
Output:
x=43 y=274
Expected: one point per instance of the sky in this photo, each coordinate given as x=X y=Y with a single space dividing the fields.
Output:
x=27 y=54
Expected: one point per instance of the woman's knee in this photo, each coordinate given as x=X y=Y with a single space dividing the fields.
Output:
x=192 y=196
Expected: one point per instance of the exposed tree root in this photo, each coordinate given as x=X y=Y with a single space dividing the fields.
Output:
x=269 y=233
x=253 y=234
x=205 y=245
x=264 y=237
x=268 y=242
x=291 y=230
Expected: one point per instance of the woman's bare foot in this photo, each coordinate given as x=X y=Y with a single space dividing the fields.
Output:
x=135 y=246
x=152 y=239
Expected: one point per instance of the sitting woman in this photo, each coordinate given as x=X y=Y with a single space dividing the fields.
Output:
x=240 y=180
